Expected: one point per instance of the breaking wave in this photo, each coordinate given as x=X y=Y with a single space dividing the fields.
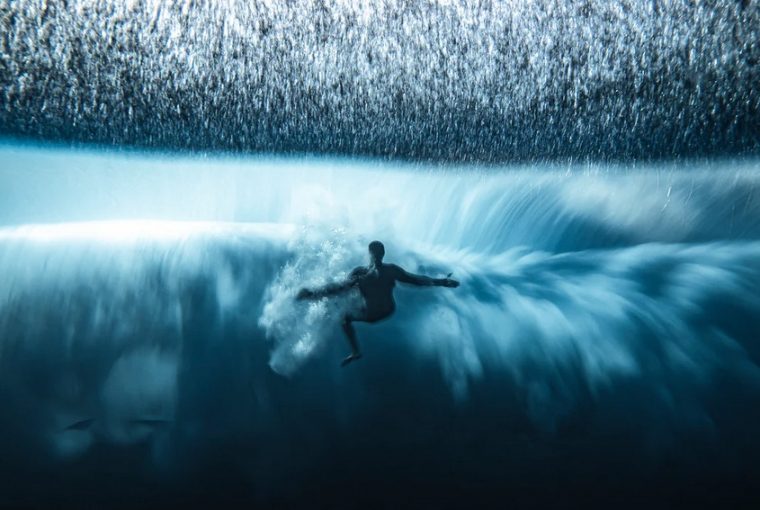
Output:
x=603 y=315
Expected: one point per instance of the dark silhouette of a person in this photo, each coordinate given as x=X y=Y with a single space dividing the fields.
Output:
x=375 y=282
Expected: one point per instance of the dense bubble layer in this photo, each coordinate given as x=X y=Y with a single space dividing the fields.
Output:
x=437 y=80
x=602 y=347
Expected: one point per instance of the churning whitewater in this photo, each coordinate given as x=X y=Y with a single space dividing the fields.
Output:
x=448 y=80
x=603 y=314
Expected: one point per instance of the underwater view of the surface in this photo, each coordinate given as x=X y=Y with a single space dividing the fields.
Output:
x=173 y=173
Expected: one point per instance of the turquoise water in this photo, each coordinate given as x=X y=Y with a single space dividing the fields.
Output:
x=173 y=172
x=607 y=316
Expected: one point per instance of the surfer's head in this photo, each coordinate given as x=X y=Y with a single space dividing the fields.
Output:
x=376 y=251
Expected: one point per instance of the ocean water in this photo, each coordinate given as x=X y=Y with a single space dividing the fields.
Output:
x=603 y=345
x=173 y=172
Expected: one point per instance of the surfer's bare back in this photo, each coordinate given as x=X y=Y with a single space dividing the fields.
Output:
x=375 y=283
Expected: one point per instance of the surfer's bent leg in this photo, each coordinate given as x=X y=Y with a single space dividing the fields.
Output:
x=364 y=315
x=348 y=329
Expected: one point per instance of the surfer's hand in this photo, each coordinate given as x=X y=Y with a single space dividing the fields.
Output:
x=449 y=282
x=305 y=294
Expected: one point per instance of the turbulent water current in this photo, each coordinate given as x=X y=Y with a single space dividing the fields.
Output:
x=608 y=319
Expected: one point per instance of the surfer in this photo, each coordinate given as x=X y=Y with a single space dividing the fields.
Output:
x=375 y=283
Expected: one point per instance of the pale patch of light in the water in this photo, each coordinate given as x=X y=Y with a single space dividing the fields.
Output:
x=128 y=231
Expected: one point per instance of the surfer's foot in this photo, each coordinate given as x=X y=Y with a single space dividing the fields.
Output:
x=350 y=358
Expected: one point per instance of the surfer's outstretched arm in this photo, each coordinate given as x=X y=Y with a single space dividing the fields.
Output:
x=332 y=289
x=404 y=276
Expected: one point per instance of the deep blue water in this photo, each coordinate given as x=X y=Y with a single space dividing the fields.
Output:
x=173 y=172
x=603 y=346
